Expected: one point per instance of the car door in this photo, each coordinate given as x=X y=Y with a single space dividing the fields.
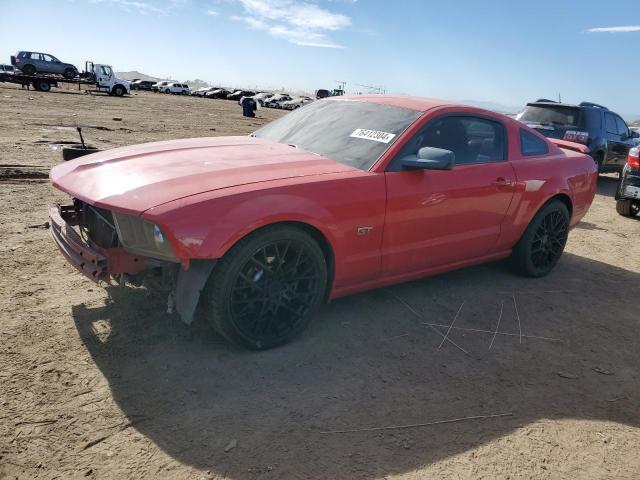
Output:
x=36 y=61
x=616 y=147
x=53 y=65
x=440 y=217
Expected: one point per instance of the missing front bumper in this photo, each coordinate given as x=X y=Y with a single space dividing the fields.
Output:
x=91 y=263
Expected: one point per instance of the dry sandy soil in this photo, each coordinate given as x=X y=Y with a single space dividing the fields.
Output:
x=104 y=384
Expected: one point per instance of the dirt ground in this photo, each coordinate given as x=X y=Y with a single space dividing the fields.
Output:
x=99 y=383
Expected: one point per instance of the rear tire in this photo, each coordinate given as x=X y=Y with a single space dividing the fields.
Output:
x=265 y=290
x=29 y=70
x=543 y=241
x=42 y=85
x=627 y=208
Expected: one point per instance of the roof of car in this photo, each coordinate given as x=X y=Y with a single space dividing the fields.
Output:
x=568 y=105
x=419 y=104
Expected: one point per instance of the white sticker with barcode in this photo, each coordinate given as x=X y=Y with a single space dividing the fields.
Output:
x=375 y=135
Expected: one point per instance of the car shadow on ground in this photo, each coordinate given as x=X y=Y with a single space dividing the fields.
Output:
x=369 y=361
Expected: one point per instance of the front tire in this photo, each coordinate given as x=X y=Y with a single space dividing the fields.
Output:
x=118 y=90
x=70 y=73
x=265 y=290
x=627 y=208
x=543 y=241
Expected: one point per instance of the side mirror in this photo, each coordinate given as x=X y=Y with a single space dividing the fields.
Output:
x=634 y=134
x=430 y=158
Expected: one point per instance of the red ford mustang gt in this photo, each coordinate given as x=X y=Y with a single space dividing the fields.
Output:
x=338 y=197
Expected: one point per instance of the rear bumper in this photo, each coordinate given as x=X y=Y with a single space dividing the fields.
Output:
x=91 y=263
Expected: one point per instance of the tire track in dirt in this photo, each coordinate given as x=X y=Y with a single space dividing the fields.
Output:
x=29 y=173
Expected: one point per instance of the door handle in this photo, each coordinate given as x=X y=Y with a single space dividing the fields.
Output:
x=501 y=182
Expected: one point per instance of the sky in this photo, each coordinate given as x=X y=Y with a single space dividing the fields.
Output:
x=504 y=52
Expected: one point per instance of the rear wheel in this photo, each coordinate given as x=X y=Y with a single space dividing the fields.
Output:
x=265 y=290
x=627 y=208
x=543 y=241
x=42 y=85
x=28 y=69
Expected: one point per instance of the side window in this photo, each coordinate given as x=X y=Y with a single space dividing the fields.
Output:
x=531 y=145
x=611 y=123
x=47 y=58
x=471 y=139
x=623 y=130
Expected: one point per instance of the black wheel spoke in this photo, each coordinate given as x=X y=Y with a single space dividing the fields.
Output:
x=549 y=239
x=274 y=289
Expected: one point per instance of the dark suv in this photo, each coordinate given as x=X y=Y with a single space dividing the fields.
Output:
x=604 y=132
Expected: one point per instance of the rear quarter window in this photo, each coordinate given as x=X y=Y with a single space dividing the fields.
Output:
x=611 y=123
x=531 y=145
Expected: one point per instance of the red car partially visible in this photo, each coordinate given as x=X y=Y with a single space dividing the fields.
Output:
x=343 y=195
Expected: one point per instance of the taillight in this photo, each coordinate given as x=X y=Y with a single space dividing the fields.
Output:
x=633 y=159
x=576 y=136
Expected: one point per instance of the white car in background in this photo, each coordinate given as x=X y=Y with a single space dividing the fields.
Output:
x=260 y=98
x=159 y=87
x=201 y=92
x=296 y=103
x=276 y=100
x=177 y=88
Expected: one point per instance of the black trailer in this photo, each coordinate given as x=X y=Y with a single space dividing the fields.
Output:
x=43 y=82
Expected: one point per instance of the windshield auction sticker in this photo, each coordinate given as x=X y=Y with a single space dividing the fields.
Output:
x=375 y=135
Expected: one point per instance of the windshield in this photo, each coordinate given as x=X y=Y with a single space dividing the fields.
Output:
x=350 y=132
x=552 y=115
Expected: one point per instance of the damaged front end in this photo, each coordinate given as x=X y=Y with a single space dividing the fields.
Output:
x=121 y=249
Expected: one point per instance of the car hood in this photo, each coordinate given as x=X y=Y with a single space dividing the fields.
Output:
x=135 y=178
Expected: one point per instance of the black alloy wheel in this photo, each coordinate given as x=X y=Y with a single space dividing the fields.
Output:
x=265 y=290
x=543 y=242
x=549 y=240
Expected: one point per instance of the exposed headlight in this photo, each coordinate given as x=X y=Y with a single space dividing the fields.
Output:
x=143 y=237
x=158 y=236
